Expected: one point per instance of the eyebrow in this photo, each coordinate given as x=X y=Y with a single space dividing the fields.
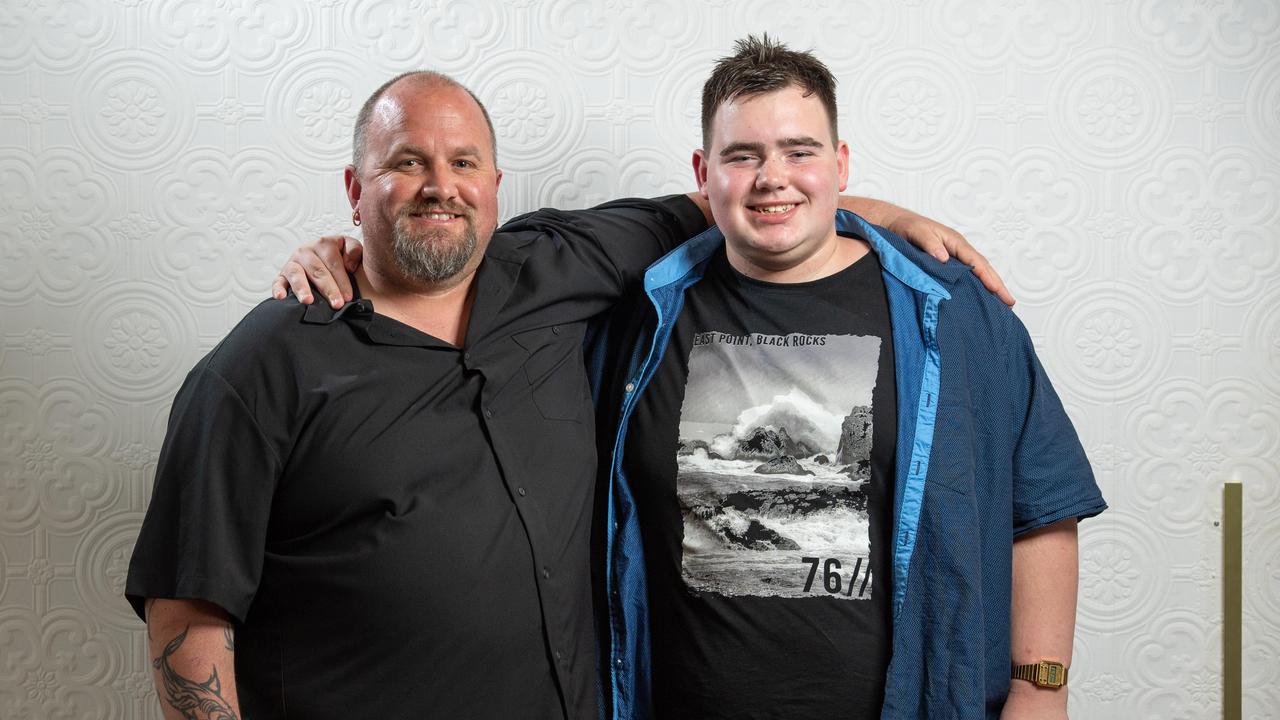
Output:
x=467 y=150
x=758 y=148
x=739 y=147
x=410 y=149
x=801 y=141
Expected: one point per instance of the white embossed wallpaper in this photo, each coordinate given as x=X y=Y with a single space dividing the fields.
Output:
x=1118 y=159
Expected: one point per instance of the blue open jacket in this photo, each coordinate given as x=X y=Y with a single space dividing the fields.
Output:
x=984 y=452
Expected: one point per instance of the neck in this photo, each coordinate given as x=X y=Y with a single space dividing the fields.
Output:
x=440 y=310
x=829 y=259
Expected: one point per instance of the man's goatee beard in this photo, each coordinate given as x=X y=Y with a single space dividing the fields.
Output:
x=432 y=256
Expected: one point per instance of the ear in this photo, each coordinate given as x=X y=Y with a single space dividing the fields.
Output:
x=352 y=182
x=700 y=170
x=842 y=164
x=497 y=182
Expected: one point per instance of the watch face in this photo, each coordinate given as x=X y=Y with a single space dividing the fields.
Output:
x=1050 y=674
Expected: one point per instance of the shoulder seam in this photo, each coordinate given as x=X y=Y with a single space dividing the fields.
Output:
x=202 y=367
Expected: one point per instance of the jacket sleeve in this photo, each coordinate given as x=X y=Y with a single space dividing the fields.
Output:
x=1052 y=479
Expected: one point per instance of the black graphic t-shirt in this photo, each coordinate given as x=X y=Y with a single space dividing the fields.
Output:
x=761 y=454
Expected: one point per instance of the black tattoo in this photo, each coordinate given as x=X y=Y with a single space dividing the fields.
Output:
x=229 y=637
x=196 y=701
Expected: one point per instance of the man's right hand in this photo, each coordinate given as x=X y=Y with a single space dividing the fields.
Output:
x=324 y=262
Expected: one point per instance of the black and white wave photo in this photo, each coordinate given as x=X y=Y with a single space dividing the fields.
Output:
x=773 y=465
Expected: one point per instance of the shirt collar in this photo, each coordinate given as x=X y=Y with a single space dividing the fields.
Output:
x=378 y=329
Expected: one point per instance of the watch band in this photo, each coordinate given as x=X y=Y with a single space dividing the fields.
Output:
x=1046 y=673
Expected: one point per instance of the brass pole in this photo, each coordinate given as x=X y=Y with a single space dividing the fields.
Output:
x=1232 y=577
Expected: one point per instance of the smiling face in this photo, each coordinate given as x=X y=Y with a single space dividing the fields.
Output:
x=773 y=175
x=427 y=190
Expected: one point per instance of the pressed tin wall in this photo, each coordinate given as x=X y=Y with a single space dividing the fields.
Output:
x=1118 y=160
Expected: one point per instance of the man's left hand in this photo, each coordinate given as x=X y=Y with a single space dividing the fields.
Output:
x=943 y=242
x=930 y=236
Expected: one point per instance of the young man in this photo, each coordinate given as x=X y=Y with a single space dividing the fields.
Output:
x=840 y=482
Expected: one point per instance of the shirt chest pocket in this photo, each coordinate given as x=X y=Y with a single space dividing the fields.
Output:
x=553 y=368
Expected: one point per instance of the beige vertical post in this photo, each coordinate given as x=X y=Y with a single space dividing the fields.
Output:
x=1232 y=578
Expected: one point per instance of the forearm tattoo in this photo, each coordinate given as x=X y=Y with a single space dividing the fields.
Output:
x=195 y=700
x=229 y=638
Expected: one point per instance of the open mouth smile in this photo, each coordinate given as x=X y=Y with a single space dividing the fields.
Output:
x=774 y=210
x=435 y=215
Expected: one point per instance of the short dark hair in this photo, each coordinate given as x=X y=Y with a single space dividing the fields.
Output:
x=761 y=65
x=425 y=76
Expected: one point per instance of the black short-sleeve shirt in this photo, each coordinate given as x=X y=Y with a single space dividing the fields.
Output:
x=761 y=457
x=399 y=527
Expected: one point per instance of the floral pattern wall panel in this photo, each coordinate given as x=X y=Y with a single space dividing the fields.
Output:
x=1118 y=160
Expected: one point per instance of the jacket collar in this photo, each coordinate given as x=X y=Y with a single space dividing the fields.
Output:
x=691 y=255
x=911 y=266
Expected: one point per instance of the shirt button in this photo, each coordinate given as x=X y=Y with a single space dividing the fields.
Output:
x=559 y=655
x=618 y=662
x=466 y=356
x=631 y=386
x=521 y=491
x=555 y=329
x=488 y=413
x=546 y=573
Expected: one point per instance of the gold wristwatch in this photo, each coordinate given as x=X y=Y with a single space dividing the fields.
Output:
x=1046 y=674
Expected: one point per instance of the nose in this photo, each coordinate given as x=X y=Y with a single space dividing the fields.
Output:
x=438 y=183
x=771 y=174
